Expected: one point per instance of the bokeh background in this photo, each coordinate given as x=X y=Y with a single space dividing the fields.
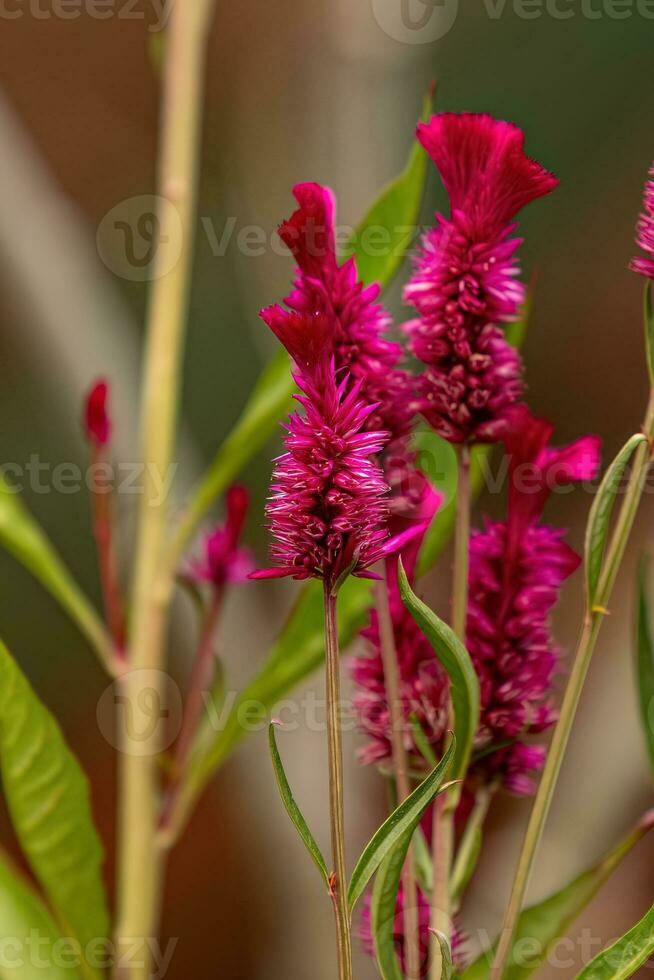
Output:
x=318 y=91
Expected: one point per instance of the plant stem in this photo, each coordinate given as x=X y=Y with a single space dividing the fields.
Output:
x=443 y=825
x=400 y=765
x=199 y=683
x=468 y=846
x=585 y=647
x=139 y=859
x=339 y=886
x=461 y=546
x=103 y=533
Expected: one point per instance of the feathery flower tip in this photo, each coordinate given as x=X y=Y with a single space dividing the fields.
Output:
x=97 y=424
x=484 y=168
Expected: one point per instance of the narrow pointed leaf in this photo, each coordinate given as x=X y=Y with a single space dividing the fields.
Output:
x=384 y=908
x=394 y=827
x=648 y=318
x=381 y=241
x=22 y=537
x=599 y=518
x=544 y=923
x=47 y=796
x=447 y=967
x=293 y=809
x=626 y=955
x=645 y=661
x=23 y=916
x=455 y=659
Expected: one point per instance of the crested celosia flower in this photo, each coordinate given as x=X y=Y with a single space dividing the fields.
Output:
x=423 y=683
x=328 y=510
x=97 y=424
x=465 y=281
x=517 y=568
x=645 y=232
x=361 y=324
x=223 y=561
x=424 y=935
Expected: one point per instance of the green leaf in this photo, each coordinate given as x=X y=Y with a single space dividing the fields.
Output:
x=648 y=319
x=381 y=241
x=406 y=815
x=22 y=537
x=22 y=917
x=626 y=955
x=447 y=968
x=599 y=517
x=384 y=907
x=269 y=401
x=293 y=809
x=456 y=661
x=540 y=926
x=645 y=660
x=48 y=800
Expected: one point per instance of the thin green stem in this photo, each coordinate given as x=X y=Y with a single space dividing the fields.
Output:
x=139 y=859
x=467 y=849
x=443 y=826
x=586 y=645
x=401 y=772
x=337 y=809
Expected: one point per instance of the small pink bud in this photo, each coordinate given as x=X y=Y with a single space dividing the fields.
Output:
x=96 y=419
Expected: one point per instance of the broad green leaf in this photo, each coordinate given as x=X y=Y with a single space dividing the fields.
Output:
x=381 y=241
x=22 y=537
x=23 y=916
x=293 y=809
x=626 y=955
x=47 y=796
x=269 y=401
x=648 y=319
x=455 y=659
x=645 y=660
x=406 y=815
x=540 y=926
x=599 y=517
x=383 y=908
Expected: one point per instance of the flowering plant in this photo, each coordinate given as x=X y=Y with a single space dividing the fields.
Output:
x=454 y=712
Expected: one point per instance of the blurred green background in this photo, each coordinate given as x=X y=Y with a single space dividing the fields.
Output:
x=294 y=92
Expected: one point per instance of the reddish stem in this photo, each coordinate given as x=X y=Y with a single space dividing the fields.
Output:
x=101 y=513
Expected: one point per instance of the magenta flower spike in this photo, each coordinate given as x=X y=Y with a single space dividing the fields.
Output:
x=223 y=561
x=328 y=510
x=361 y=344
x=517 y=569
x=645 y=232
x=465 y=281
